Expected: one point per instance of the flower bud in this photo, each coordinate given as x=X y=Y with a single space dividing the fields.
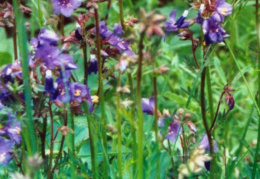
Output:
x=180 y=111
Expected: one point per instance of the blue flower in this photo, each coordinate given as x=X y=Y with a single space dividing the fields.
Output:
x=65 y=7
x=5 y=149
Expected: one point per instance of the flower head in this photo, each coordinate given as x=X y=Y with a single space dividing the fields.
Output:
x=171 y=25
x=65 y=7
x=174 y=128
x=93 y=65
x=148 y=105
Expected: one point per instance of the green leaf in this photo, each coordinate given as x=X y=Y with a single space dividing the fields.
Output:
x=5 y=58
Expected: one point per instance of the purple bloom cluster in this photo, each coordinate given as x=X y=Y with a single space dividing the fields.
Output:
x=9 y=136
x=65 y=7
x=114 y=38
x=210 y=15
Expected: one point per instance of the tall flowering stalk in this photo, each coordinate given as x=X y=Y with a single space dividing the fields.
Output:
x=101 y=93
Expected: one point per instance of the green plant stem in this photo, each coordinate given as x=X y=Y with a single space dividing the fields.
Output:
x=29 y=130
x=216 y=114
x=139 y=109
x=61 y=146
x=133 y=129
x=92 y=139
x=258 y=60
x=119 y=133
x=51 y=142
x=203 y=113
x=156 y=118
x=101 y=94
x=121 y=14
x=15 y=41
x=209 y=90
x=170 y=152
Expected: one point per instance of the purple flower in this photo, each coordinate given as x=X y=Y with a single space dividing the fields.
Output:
x=78 y=32
x=5 y=149
x=48 y=54
x=13 y=129
x=213 y=32
x=65 y=7
x=173 y=128
x=148 y=105
x=222 y=9
x=204 y=144
x=103 y=30
x=172 y=25
x=12 y=71
x=65 y=60
x=93 y=65
x=118 y=30
x=46 y=37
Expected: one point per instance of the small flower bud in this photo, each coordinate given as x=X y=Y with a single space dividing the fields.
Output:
x=180 y=111
x=230 y=100
x=187 y=116
x=111 y=128
x=65 y=130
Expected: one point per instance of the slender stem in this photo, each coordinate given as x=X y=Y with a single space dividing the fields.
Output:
x=170 y=152
x=193 y=53
x=121 y=14
x=133 y=129
x=43 y=137
x=185 y=149
x=216 y=114
x=156 y=118
x=51 y=146
x=62 y=24
x=139 y=109
x=101 y=94
x=119 y=135
x=92 y=142
x=85 y=60
x=15 y=41
x=61 y=146
x=203 y=113
x=258 y=59
x=29 y=130
x=209 y=90
x=108 y=8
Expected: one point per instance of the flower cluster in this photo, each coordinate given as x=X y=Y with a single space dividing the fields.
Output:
x=211 y=14
x=114 y=38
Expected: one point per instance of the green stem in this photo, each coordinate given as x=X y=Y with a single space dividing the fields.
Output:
x=209 y=90
x=118 y=122
x=156 y=119
x=133 y=129
x=258 y=60
x=139 y=109
x=29 y=130
x=121 y=14
x=51 y=143
x=93 y=142
x=101 y=94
